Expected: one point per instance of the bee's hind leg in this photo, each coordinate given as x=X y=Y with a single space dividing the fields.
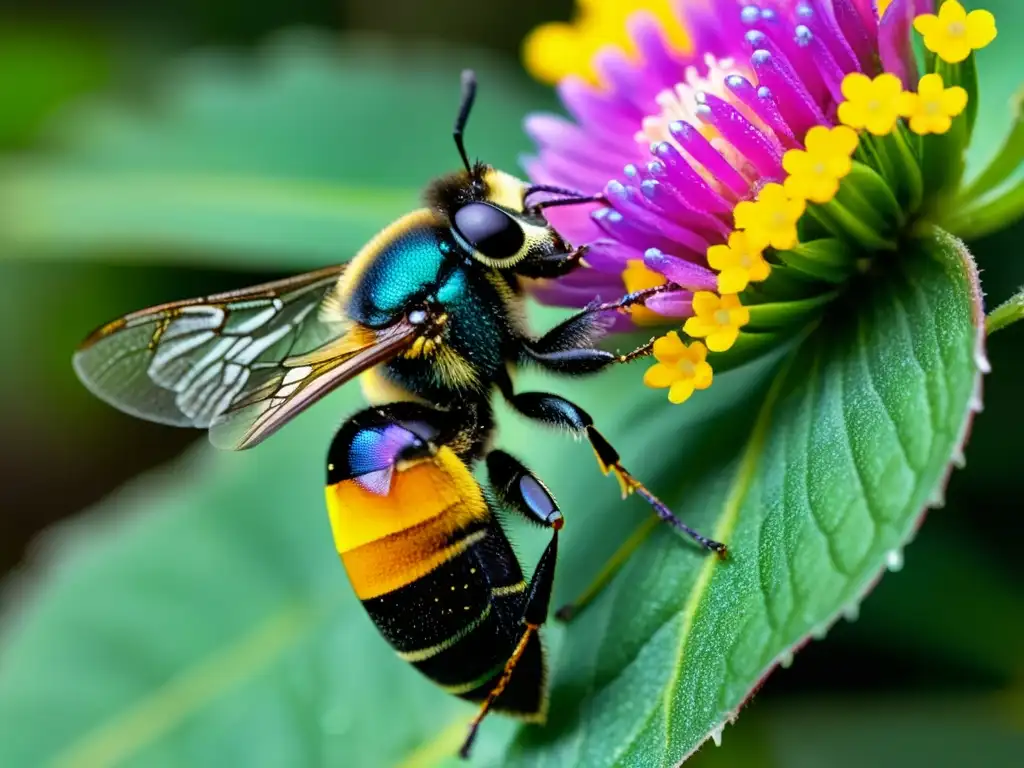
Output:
x=521 y=491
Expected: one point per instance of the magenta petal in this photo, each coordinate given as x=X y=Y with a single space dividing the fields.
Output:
x=895 y=45
x=606 y=255
x=573 y=223
x=674 y=304
x=680 y=271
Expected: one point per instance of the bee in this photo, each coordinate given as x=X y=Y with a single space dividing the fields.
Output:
x=430 y=315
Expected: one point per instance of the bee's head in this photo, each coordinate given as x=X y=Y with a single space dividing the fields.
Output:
x=488 y=210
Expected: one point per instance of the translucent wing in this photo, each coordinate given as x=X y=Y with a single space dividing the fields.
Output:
x=226 y=361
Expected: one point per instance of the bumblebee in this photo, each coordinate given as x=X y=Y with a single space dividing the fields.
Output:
x=430 y=313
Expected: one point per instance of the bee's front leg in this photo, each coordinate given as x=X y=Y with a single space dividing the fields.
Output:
x=551 y=265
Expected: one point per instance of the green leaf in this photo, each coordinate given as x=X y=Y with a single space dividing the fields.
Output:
x=293 y=160
x=41 y=67
x=201 y=613
x=852 y=438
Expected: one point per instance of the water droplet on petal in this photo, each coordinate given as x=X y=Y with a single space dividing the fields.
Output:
x=894 y=560
x=786 y=659
x=938 y=499
x=851 y=612
x=959 y=460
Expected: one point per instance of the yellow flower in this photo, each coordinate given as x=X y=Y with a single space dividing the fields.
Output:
x=738 y=263
x=716 y=318
x=554 y=51
x=771 y=220
x=882 y=6
x=933 y=107
x=680 y=367
x=872 y=104
x=954 y=33
x=636 y=276
x=814 y=174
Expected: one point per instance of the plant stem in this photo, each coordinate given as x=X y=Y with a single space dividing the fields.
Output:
x=1006 y=313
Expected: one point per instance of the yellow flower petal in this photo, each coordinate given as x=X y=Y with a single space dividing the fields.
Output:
x=856 y=86
x=981 y=29
x=951 y=12
x=698 y=352
x=703 y=375
x=698 y=327
x=733 y=280
x=723 y=339
x=953 y=100
x=680 y=391
x=659 y=376
x=927 y=24
x=669 y=348
x=705 y=302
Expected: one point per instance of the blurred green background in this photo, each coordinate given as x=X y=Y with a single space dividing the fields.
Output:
x=931 y=673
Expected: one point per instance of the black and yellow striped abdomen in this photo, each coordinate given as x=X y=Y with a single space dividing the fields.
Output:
x=437 y=575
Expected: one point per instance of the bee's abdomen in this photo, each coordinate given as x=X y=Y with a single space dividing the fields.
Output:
x=436 y=573
x=459 y=623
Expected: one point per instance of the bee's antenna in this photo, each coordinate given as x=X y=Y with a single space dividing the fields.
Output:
x=468 y=95
x=582 y=200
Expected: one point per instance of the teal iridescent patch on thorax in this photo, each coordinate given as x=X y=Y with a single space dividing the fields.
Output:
x=407 y=266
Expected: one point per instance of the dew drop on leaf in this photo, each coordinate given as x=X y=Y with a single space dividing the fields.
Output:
x=981 y=360
x=716 y=735
x=894 y=560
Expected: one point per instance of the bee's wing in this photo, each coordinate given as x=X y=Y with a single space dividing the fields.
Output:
x=226 y=361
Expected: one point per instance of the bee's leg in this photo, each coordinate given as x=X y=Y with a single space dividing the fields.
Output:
x=551 y=265
x=566 y=348
x=518 y=489
x=556 y=411
x=507 y=472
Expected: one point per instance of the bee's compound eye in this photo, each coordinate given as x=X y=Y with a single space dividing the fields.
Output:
x=489 y=230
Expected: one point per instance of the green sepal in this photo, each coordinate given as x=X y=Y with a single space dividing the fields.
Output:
x=964 y=74
x=864 y=210
x=904 y=150
x=784 y=284
x=749 y=346
x=1006 y=161
x=942 y=164
x=989 y=216
x=785 y=314
x=866 y=195
x=826 y=259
